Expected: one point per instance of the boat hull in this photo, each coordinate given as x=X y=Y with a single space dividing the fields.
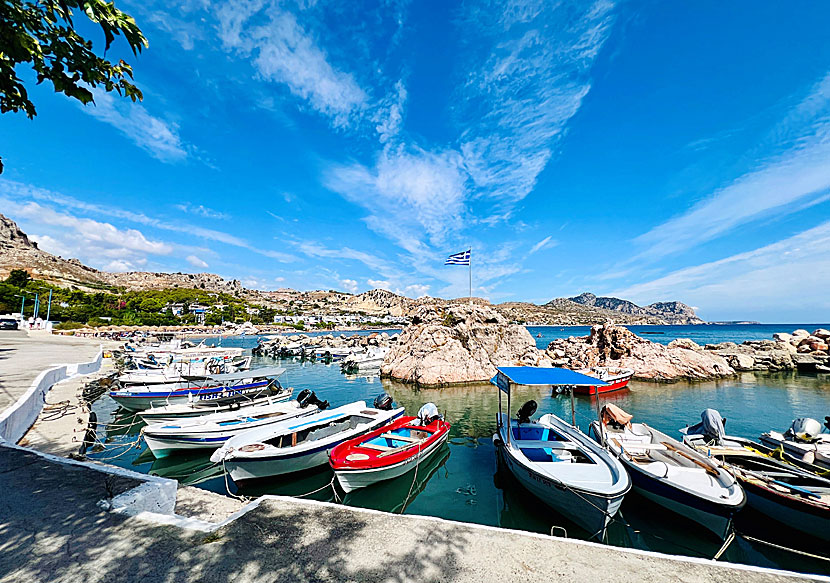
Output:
x=588 y=510
x=354 y=479
x=141 y=400
x=617 y=385
x=795 y=514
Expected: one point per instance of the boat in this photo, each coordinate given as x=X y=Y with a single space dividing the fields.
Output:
x=177 y=411
x=553 y=459
x=301 y=444
x=803 y=441
x=670 y=473
x=789 y=495
x=369 y=360
x=211 y=431
x=182 y=371
x=390 y=451
x=615 y=379
x=240 y=384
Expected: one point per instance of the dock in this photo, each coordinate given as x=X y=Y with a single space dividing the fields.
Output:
x=64 y=520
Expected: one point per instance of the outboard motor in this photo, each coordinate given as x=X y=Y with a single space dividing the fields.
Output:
x=710 y=427
x=428 y=413
x=526 y=411
x=306 y=398
x=383 y=402
x=805 y=429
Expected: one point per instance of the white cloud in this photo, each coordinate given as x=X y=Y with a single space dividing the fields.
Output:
x=201 y=211
x=780 y=185
x=284 y=52
x=784 y=281
x=158 y=137
x=379 y=284
x=196 y=262
x=349 y=285
x=546 y=243
x=525 y=87
x=416 y=290
x=389 y=116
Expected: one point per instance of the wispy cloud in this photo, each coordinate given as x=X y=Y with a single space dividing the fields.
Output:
x=284 y=52
x=780 y=184
x=196 y=262
x=771 y=281
x=201 y=211
x=158 y=137
x=546 y=243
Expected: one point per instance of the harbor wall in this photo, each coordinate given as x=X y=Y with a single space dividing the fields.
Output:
x=19 y=417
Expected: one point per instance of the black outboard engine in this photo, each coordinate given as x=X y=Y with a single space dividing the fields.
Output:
x=383 y=402
x=306 y=398
x=526 y=411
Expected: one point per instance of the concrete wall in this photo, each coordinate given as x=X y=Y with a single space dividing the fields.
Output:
x=17 y=419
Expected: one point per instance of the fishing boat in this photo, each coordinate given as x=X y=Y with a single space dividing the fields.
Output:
x=615 y=379
x=390 y=451
x=301 y=444
x=787 y=494
x=369 y=360
x=240 y=384
x=211 y=431
x=182 y=371
x=803 y=441
x=670 y=473
x=177 y=411
x=553 y=459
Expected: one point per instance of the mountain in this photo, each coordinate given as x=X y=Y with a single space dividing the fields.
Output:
x=17 y=251
x=669 y=312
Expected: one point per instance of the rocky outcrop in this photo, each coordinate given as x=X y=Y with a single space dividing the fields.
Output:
x=615 y=346
x=459 y=343
x=668 y=312
x=799 y=350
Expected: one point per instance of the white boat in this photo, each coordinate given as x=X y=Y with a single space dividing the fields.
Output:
x=177 y=411
x=369 y=360
x=211 y=431
x=553 y=459
x=181 y=371
x=803 y=441
x=301 y=444
x=667 y=472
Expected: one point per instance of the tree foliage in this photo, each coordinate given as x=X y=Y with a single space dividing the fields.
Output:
x=42 y=35
x=18 y=278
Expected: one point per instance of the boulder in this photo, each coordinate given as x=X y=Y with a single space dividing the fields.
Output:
x=686 y=343
x=459 y=343
x=800 y=332
x=741 y=362
x=782 y=337
x=822 y=333
x=615 y=346
x=818 y=346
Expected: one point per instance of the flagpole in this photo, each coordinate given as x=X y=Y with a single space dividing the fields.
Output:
x=470 y=265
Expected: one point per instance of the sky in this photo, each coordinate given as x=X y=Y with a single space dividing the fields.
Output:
x=653 y=151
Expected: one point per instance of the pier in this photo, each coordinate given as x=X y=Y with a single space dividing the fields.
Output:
x=64 y=520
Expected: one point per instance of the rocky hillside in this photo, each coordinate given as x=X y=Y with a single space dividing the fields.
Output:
x=17 y=251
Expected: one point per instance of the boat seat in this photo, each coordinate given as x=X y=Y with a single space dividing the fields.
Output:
x=400 y=437
x=634 y=446
x=523 y=443
x=376 y=446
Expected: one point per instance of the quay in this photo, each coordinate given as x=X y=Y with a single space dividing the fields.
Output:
x=63 y=520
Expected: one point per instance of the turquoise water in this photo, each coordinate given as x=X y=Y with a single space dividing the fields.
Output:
x=464 y=480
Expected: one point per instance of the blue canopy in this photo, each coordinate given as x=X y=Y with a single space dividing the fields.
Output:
x=537 y=375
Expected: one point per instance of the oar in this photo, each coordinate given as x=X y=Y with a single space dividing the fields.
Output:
x=709 y=469
x=791 y=487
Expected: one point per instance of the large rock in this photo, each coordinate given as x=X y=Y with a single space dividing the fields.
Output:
x=459 y=343
x=615 y=346
x=822 y=333
x=782 y=337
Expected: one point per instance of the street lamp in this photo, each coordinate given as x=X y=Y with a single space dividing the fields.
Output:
x=22 y=304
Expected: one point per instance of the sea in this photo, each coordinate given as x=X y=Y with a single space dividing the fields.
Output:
x=466 y=481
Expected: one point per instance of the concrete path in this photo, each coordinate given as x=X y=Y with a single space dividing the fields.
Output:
x=24 y=355
x=51 y=529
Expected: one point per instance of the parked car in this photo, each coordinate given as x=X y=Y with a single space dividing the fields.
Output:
x=8 y=324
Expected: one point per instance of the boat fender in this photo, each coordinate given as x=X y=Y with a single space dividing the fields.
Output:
x=526 y=411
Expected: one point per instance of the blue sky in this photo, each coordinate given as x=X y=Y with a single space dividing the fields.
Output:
x=648 y=150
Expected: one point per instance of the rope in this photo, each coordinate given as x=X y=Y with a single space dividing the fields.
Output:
x=725 y=545
x=244 y=499
x=414 y=479
x=783 y=548
x=329 y=485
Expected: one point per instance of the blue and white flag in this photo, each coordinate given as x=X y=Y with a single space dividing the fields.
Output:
x=462 y=258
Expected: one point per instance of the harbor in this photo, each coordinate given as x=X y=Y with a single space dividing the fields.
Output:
x=466 y=481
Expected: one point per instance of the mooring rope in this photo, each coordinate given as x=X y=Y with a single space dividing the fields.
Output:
x=414 y=479
x=783 y=548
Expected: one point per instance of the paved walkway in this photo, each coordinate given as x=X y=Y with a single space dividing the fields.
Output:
x=24 y=356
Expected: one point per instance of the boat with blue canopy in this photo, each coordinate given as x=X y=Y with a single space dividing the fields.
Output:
x=553 y=459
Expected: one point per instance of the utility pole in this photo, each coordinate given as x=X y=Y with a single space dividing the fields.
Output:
x=22 y=303
x=49 y=306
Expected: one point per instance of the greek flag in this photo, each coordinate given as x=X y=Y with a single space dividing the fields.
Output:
x=462 y=258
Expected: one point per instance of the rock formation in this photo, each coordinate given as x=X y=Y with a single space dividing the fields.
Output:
x=801 y=349
x=668 y=312
x=459 y=343
x=615 y=346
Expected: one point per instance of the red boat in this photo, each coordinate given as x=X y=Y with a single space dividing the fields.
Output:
x=390 y=451
x=616 y=379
